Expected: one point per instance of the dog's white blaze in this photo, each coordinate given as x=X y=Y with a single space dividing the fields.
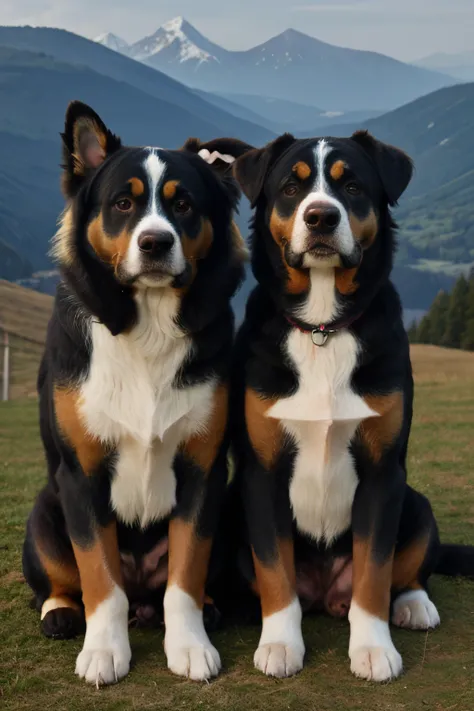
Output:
x=321 y=192
x=129 y=401
x=154 y=221
x=322 y=417
x=105 y=656
x=281 y=647
x=371 y=650
x=187 y=647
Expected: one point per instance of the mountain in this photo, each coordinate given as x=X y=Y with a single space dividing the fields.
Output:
x=460 y=66
x=72 y=49
x=176 y=42
x=291 y=66
x=111 y=41
x=30 y=200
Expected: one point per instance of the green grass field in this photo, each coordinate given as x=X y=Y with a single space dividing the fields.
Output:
x=36 y=673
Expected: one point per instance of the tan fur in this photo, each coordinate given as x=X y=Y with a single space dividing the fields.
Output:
x=377 y=433
x=63 y=576
x=345 y=280
x=62 y=245
x=337 y=170
x=408 y=563
x=137 y=187
x=275 y=583
x=265 y=433
x=89 y=450
x=99 y=566
x=365 y=230
x=188 y=559
x=281 y=229
x=111 y=249
x=302 y=170
x=371 y=582
x=169 y=189
x=87 y=125
x=203 y=448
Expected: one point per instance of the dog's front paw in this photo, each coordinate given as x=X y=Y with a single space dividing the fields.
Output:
x=414 y=610
x=197 y=663
x=371 y=650
x=279 y=660
x=103 y=666
x=376 y=663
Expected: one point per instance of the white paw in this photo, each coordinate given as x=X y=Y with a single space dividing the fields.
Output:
x=371 y=650
x=278 y=659
x=187 y=647
x=106 y=654
x=415 y=611
x=197 y=663
x=102 y=666
x=376 y=663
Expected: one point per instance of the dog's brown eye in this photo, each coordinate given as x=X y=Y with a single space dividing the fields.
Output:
x=182 y=207
x=124 y=205
x=291 y=190
x=353 y=189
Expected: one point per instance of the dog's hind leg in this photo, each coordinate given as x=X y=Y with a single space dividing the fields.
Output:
x=50 y=569
x=415 y=559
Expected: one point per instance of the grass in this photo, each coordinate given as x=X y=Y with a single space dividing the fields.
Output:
x=439 y=666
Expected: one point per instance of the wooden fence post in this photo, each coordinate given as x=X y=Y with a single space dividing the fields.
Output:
x=6 y=367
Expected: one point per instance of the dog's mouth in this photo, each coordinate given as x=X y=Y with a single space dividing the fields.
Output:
x=323 y=250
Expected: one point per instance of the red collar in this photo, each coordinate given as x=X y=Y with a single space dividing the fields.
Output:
x=321 y=332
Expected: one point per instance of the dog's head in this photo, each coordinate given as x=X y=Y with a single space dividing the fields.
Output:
x=322 y=202
x=141 y=218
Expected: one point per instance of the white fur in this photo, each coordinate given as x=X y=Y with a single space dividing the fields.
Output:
x=187 y=647
x=322 y=417
x=154 y=221
x=129 y=400
x=106 y=654
x=281 y=648
x=414 y=610
x=344 y=240
x=53 y=603
x=371 y=650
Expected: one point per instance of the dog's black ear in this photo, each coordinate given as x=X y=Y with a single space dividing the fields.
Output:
x=86 y=144
x=220 y=153
x=393 y=165
x=251 y=169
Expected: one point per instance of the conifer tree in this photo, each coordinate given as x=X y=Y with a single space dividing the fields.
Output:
x=456 y=316
x=438 y=317
x=467 y=340
x=412 y=332
x=424 y=330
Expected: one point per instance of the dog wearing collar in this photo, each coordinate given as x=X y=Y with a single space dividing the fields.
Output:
x=133 y=392
x=323 y=406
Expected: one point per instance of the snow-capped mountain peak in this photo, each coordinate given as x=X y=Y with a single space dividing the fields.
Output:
x=178 y=40
x=108 y=39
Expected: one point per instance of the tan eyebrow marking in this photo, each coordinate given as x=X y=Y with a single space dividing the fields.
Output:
x=337 y=170
x=169 y=189
x=302 y=170
x=137 y=187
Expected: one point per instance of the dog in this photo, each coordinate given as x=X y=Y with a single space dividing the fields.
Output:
x=133 y=390
x=322 y=407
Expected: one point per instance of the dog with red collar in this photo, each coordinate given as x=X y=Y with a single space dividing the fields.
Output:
x=323 y=406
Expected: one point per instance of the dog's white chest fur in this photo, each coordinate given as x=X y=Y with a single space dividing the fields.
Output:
x=130 y=402
x=322 y=417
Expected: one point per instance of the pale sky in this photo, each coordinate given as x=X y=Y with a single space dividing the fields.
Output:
x=406 y=29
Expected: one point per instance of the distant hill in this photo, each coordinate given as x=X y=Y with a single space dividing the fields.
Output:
x=460 y=66
x=25 y=315
x=291 y=66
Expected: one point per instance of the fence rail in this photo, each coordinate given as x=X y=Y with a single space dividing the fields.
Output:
x=6 y=345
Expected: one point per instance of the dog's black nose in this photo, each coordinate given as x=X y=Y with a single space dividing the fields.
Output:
x=155 y=244
x=322 y=217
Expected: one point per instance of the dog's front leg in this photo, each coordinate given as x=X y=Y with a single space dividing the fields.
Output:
x=265 y=493
x=375 y=522
x=201 y=470
x=83 y=479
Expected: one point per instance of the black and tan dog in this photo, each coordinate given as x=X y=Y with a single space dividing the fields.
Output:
x=134 y=395
x=323 y=406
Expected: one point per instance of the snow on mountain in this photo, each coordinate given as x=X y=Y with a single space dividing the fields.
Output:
x=176 y=41
x=108 y=39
